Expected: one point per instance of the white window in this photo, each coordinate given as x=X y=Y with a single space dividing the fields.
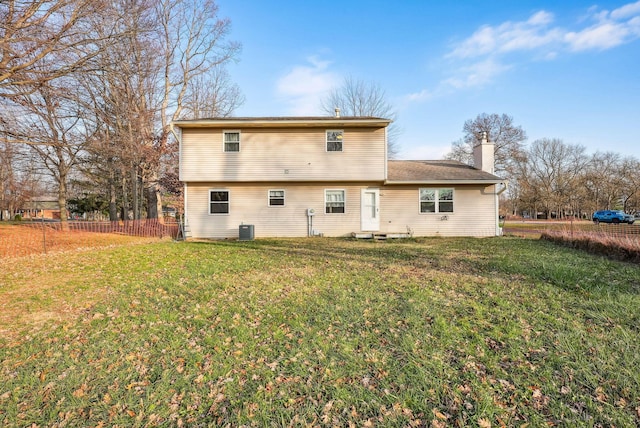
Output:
x=218 y=201
x=231 y=141
x=276 y=198
x=334 y=201
x=436 y=200
x=334 y=140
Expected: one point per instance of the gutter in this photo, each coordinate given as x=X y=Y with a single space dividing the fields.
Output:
x=505 y=185
x=285 y=122
x=451 y=182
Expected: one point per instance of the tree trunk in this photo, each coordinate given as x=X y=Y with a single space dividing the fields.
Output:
x=62 y=202
x=134 y=193
x=125 y=200
x=154 y=202
x=113 y=208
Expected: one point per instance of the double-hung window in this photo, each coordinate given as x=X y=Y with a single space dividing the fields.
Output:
x=334 y=201
x=231 y=141
x=334 y=140
x=434 y=200
x=276 y=198
x=218 y=202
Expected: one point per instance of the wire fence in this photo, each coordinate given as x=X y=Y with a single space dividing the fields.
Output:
x=573 y=228
x=23 y=239
x=615 y=241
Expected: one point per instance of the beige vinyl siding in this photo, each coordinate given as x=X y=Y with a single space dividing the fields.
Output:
x=282 y=155
x=249 y=204
x=474 y=212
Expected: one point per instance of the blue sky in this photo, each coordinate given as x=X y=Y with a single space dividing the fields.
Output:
x=568 y=70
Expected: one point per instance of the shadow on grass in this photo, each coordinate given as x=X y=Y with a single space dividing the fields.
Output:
x=508 y=258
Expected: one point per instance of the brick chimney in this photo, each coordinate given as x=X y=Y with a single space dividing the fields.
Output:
x=484 y=155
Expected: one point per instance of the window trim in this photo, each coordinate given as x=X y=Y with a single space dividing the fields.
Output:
x=284 y=198
x=344 y=202
x=224 y=140
x=228 y=201
x=326 y=140
x=436 y=200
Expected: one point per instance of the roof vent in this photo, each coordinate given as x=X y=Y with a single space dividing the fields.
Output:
x=337 y=111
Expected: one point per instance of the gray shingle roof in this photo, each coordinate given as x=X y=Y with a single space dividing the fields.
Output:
x=436 y=171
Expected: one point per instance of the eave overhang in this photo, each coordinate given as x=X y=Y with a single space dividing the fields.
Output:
x=310 y=122
x=445 y=182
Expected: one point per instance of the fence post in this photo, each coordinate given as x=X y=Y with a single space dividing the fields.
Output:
x=44 y=235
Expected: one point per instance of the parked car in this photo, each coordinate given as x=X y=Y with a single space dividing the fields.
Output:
x=612 y=216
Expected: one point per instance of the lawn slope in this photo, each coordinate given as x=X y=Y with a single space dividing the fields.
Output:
x=321 y=332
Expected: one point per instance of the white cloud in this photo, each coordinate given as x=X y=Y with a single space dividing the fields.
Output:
x=612 y=29
x=476 y=74
x=631 y=9
x=491 y=50
x=601 y=36
x=419 y=96
x=509 y=36
x=303 y=86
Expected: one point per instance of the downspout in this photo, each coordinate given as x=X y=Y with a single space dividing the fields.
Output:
x=504 y=187
x=498 y=193
x=184 y=190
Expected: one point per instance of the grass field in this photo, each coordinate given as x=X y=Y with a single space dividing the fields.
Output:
x=321 y=332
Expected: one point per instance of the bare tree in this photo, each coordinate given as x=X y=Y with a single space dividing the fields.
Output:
x=51 y=125
x=630 y=184
x=36 y=34
x=552 y=175
x=85 y=98
x=602 y=180
x=359 y=98
x=212 y=94
x=508 y=139
x=9 y=180
x=170 y=62
x=192 y=42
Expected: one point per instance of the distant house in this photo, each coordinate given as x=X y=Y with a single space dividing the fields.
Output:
x=41 y=207
x=329 y=176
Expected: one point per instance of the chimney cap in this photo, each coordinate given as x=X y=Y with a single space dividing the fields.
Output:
x=337 y=110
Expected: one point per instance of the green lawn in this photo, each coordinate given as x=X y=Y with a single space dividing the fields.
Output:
x=321 y=332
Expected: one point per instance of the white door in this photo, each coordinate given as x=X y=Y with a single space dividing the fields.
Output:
x=370 y=210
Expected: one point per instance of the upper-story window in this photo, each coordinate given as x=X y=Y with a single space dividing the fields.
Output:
x=334 y=140
x=436 y=200
x=231 y=141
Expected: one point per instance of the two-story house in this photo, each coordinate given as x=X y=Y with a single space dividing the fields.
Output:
x=327 y=176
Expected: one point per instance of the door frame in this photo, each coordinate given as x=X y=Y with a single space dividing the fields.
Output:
x=370 y=223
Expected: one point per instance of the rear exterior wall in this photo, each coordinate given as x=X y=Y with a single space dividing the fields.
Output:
x=282 y=154
x=474 y=210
